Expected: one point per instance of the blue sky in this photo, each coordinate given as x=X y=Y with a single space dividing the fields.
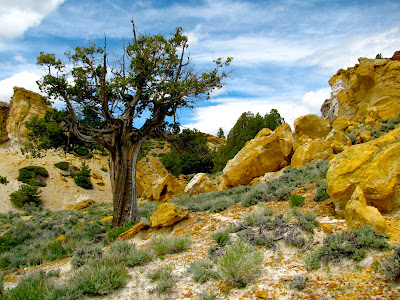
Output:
x=284 y=52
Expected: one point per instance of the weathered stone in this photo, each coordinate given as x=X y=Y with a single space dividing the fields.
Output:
x=135 y=229
x=338 y=140
x=23 y=106
x=168 y=214
x=154 y=182
x=265 y=153
x=309 y=152
x=358 y=214
x=61 y=239
x=312 y=126
x=371 y=83
x=4 y=112
x=106 y=219
x=96 y=175
x=200 y=184
x=81 y=205
x=342 y=124
x=396 y=56
x=374 y=166
x=365 y=136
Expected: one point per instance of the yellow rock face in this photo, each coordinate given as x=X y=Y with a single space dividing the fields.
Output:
x=168 y=214
x=358 y=214
x=200 y=184
x=374 y=166
x=154 y=182
x=4 y=111
x=338 y=140
x=342 y=123
x=23 y=106
x=312 y=126
x=311 y=151
x=265 y=153
x=135 y=229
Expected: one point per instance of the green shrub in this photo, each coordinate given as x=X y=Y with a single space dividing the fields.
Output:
x=391 y=266
x=62 y=165
x=114 y=233
x=166 y=244
x=99 y=277
x=147 y=208
x=104 y=169
x=206 y=295
x=298 y=282
x=82 y=178
x=257 y=194
x=202 y=271
x=308 y=222
x=26 y=195
x=386 y=127
x=222 y=238
x=3 y=180
x=1 y=283
x=125 y=252
x=240 y=264
x=55 y=250
x=163 y=279
x=321 y=194
x=32 y=174
x=296 y=200
x=258 y=216
x=85 y=253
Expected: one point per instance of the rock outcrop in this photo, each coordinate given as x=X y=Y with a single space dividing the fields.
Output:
x=154 y=182
x=200 y=184
x=4 y=112
x=314 y=150
x=312 y=126
x=267 y=152
x=373 y=83
x=23 y=106
x=338 y=141
x=214 y=142
x=168 y=214
x=358 y=214
x=374 y=166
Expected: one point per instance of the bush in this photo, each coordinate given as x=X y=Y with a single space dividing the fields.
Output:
x=222 y=238
x=206 y=295
x=308 y=222
x=298 y=282
x=85 y=253
x=82 y=178
x=296 y=200
x=114 y=233
x=257 y=194
x=26 y=195
x=321 y=194
x=124 y=252
x=391 y=266
x=32 y=175
x=240 y=264
x=3 y=180
x=62 y=165
x=163 y=279
x=202 y=271
x=169 y=244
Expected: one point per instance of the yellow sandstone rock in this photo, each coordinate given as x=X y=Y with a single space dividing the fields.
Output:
x=61 y=238
x=200 y=184
x=4 y=111
x=312 y=126
x=168 y=214
x=338 y=140
x=106 y=219
x=135 y=229
x=311 y=151
x=81 y=205
x=358 y=214
x=267 y=152
x=374 y=166
x=342 y=124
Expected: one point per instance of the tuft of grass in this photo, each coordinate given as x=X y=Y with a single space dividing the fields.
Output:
x=206 y=295
x=62 y=165
x=82 y=178
x=222 y=238
x=3 y=180
x=321 y=194
x=163 y=279
x=127 y=253
x=299 y=282
x=83 y=254
x=202 y=271
x=296 y=200
x=167 y=244
x=240 y=264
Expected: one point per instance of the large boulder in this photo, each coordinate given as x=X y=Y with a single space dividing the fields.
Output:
x=358 y=214
x=338 y=141
x=4 y=112
x=312 y=126
x=200 y=184
x=154 y=182
x=314 y=150
x=23 y=106
x=374 y=166
x=371 y=83
x=267 y=152
x=168 y=214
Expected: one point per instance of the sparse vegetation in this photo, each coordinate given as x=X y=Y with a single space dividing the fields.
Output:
x=391 y=265
x=62 y=165
x=167 y=244
x=163 y=279
x=202 y=271
x=296 y=200
x=33 y=175
x=3 y=180
x=299 y=282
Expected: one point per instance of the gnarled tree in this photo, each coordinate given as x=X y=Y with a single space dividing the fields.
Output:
x=133 y=95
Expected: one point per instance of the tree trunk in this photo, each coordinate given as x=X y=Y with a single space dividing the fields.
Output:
x=123 y=183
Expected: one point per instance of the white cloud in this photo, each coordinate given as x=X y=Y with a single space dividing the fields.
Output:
x=16 y=16
x=24 y=79
x=19 y=58
x=314 y=99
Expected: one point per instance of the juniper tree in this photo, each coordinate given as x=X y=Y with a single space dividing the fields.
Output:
x=133 y=94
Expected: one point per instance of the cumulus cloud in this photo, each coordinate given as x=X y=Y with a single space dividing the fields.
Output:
x=24 y=79
x=16 y=16
x=314 y=99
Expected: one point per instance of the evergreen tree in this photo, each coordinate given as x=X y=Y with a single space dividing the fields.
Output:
x=221 y=133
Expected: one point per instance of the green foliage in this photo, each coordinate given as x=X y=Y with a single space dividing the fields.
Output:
x=114 y=233
x=299 y=282
x=85 y=253
x=222 y=238
x=32 y=174
x=256 y=194
x=353 y=245
x=147 y=208
x=296 y=200
x=379 y=56
x=240 y=264
x=220 y=133
x=321 y=194
x=206 y=295
x=245 y=129
x=189 y=155
x=127 y=253
x=62 y=165
x=26 y=196
x=202 y=271
x=82 y=178
x=163 y=279
x=166 y=244
x=391 y=265
x=308 y=222
x=3 y=180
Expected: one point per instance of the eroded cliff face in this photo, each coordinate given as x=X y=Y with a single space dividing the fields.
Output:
x=4 y=112
x=23 y=106
x=369 y=89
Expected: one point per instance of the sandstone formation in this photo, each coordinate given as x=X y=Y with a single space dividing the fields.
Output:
x=143 y=224
x=341 y=124
x=23 y=106
x=200 y=184
x=374 y=166
x=358 y=214
x=214 y=142
x=312 y=126
x=373 y=83
x=267 y=152
x=338 y=141
x=311 y=151
x=4 y=112
x=168 y=214
x=154 y=182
